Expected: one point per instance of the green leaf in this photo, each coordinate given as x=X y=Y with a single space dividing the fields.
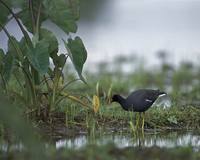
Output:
x=4 y=15
x=8 y=66
x=9 y=59
x=77 y=54
x=49 y=38
x=64 y=13
x=23 y=47
x=59 y=61
x=17 y=3
x=26 y=20
x=39 y=56
x=75 y=8
x=26 y=16
x=2 y=56
x=15 y=47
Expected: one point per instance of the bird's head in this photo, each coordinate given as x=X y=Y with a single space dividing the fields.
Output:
x=115 y=98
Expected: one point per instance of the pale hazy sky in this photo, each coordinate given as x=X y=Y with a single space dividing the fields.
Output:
x=142 y=27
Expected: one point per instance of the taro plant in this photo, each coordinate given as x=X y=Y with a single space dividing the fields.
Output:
x=40 y=84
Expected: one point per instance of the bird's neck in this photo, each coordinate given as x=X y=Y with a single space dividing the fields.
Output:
x=123 y=103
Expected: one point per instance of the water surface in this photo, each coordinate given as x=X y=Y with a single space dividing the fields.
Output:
x=121 y=140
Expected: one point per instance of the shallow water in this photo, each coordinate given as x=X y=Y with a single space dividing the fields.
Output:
x=149 y=139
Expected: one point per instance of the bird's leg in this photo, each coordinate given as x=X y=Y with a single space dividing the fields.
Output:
x=142 y=134
x=140 y=118
x=143 y=114
x=137 y=120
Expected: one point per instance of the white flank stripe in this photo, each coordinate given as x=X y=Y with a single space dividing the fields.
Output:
x=162 y=95
x=148 y=100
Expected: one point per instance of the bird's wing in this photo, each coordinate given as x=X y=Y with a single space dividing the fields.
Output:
x=150 y=96
x=142 y=97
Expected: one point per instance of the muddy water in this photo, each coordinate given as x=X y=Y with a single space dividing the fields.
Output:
x=149 y=139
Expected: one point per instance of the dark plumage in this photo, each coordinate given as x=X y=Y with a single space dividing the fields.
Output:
x=138 y=101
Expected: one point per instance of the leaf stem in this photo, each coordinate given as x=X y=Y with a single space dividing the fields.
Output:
x=32 y=15
x=38 y=19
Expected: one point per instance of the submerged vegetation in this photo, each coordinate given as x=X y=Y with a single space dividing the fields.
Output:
x=41 y=97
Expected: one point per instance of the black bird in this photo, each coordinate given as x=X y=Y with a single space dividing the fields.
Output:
x=138 y=101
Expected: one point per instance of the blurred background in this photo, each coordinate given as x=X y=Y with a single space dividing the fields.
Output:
x=141 y=30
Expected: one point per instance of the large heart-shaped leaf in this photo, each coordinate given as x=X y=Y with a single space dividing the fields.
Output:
x=18 y=3
x=49 y=38
x=77 y=53
x=26 y=19
x=31 y=19
x=39 y=56
x=64 y=13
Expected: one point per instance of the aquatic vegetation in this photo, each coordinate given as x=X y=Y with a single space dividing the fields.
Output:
x=27 y=75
